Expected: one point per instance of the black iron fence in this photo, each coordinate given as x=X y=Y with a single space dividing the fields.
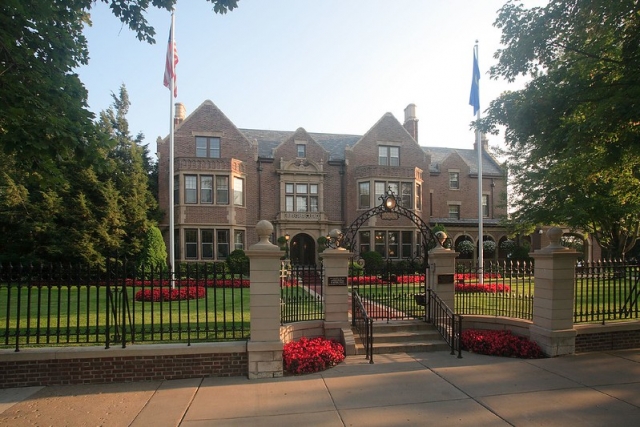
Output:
x=301 y=293
x=506 y=289
x=606 y=291
x=391 y=291
x=363 y=324
x=125 y=303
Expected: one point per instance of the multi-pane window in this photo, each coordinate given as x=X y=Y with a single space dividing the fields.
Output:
x=364 y=195
x=301 y=197
x=388 y=156
x=222 y=190
x=206 y=243
x=206 y=189
x=191 y=244
x=301 y=150
x=206 y=193
x=381 y=188
x=407 y=244
x=365 y=241
x=391 y=244
x=454 y=211
x=207 y=147
x=454 y=180
x=485 y=205
x=418 y=197
x=407 y=193
x=394 y=243
x=238 y=191
x=223 y=244
x=191 y=189
x=380 y=238
x=238 y=239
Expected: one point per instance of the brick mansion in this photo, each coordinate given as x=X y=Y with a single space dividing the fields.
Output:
x=227 y=179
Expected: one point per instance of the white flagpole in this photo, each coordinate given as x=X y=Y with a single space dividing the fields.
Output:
x=172 y=255
x=480 y=213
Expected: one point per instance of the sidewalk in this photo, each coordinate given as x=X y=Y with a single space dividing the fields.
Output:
x=420 y=389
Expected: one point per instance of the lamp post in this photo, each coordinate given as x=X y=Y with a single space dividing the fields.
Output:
x=286 y=247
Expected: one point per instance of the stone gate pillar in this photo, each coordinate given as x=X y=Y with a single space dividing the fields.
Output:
x=554 y=274
x=265 y=347
x=442 y=270
x=336 y=297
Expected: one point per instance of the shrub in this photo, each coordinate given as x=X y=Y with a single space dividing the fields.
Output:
x=154 y=252
x=372 y=260
x=499 y=343
x=311 y=355
x=238 y=262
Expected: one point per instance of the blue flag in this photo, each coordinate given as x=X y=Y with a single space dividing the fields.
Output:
x=474 y=97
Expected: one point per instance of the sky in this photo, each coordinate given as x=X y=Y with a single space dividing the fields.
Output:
x=330 y=66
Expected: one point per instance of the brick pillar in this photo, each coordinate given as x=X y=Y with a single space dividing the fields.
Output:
x=336 y=297
x=264 y=347
x=442 y=270
x=554 y=275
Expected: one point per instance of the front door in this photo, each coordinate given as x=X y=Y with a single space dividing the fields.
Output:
x=303 y=250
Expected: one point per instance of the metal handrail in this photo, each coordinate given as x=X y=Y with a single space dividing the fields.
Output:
x=363 y=324
x=448 y=323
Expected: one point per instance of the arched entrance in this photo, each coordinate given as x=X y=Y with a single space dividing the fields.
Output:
x=302 y=250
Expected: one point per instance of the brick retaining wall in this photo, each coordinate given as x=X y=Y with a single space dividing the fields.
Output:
x=43 y=367
x=603 y=341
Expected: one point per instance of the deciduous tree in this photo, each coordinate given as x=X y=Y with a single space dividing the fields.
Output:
x=573 y=132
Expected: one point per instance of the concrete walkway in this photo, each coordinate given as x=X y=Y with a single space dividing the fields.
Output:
x=420 y=389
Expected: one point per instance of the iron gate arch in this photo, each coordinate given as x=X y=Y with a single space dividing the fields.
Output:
x=347 y=238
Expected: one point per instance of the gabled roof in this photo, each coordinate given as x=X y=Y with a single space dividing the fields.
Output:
x=439 y=154
x=268 y=140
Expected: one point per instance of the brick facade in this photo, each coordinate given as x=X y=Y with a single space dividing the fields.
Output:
x=307 y=184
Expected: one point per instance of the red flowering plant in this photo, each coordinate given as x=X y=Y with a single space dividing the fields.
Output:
x=167 y=294
x=490 y=288
x=499 y=343
x=311 y=355
x=209 y=283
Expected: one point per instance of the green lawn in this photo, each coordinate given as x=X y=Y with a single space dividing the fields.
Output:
x=298 y=304
x=78 y=315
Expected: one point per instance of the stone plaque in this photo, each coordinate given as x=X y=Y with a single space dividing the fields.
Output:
x=445 y=279
x=337 y=281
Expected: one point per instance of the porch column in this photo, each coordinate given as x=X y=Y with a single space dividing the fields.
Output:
x=442 y=269
x=264 y=348
x=554 y=274
x=336 y=297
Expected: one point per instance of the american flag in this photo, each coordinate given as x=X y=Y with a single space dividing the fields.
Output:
x=170 y=69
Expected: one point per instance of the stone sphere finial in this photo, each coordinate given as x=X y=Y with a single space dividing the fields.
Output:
x=264 y=229
x=555 y=234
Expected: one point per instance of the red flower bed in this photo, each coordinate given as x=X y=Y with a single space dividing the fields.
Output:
x=490 y=288
x=287 y=283
x=311 y=355
x=375 y=280
x=168 y=294
x=499 y=343
x=209 y=283
x=474 y=276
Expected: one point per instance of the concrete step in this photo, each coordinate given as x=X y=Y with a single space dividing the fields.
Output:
x=403 y=337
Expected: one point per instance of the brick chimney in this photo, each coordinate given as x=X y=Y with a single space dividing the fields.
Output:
x=485 y=143
x=410 y=121
x=180 y=113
